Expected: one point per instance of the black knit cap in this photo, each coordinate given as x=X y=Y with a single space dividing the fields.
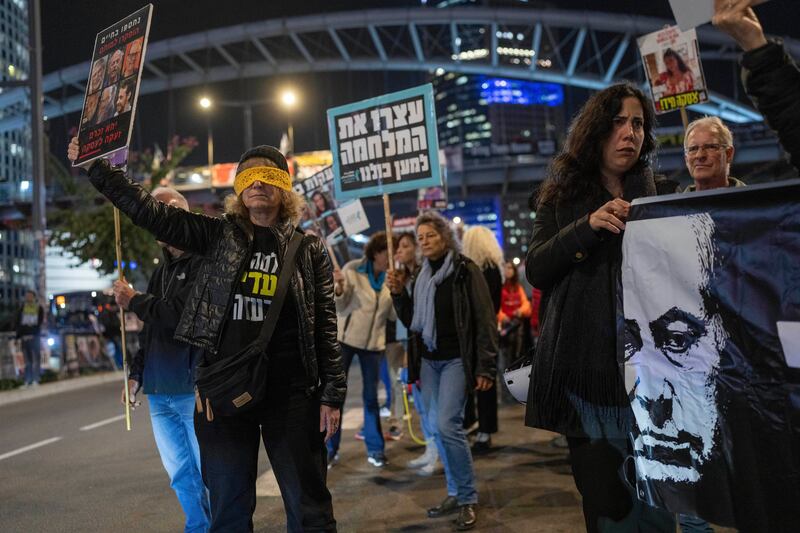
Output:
x=267 y=152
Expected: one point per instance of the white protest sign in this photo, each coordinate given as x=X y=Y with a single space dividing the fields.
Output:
x=693 y=13
x=354 y=219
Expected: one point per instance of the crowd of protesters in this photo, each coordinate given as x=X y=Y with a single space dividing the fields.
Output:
x=453 y=316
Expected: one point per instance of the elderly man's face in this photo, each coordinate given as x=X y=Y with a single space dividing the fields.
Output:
x=132 y=58
x=96 y=78
x=707 y=158
x=672 y=345
x=91 y=108
x=114 y=66
x=106 y=98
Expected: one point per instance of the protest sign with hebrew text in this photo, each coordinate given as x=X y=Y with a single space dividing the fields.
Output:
x=385 y=144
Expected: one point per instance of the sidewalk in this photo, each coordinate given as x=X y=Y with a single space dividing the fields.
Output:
x=56 y=387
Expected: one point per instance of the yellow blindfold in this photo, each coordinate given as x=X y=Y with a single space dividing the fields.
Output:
x=269 y=175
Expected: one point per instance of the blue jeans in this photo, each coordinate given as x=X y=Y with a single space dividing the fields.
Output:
x=386 y=379
x=172 y=416
x=370 y=364
x=444 y=391
x=424 y=419
x=33 y=358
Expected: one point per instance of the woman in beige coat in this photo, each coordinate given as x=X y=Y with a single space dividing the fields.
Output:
x=363 y=305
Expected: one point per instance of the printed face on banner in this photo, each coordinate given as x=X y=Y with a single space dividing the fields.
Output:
x=672 y=345
x=90 y=109
x=384 y=145
x=133 y=56
x=672 y=63
x=106 y=106
x=114 y=67
x=331 y=226
x=97 y=75
x=321 y=201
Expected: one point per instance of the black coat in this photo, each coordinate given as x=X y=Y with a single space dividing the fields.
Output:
x=576 y=268
x=772 y=81
x=163 y=365
x=226 y=245
x=474 y=318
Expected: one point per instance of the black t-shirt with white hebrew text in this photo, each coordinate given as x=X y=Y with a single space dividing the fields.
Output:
x=253 y=297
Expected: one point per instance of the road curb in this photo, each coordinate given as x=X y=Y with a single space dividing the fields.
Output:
x=57 y=387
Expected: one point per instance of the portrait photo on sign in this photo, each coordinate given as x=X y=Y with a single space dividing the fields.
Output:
x=124 y=99
x=332 y=227
x=321 y=201
x=114 y=67
x=107 y=106
x=671 y=61
x=90 y=109
x=133 y=56
x=97 y=75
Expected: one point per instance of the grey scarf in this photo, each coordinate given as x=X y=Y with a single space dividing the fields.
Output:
x=424 y=321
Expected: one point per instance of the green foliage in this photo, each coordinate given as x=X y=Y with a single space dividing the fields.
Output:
x=48 y=376
x=83 y=221
x=10 y=383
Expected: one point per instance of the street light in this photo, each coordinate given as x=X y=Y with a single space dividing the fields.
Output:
x=205 y=102
x=289 y=100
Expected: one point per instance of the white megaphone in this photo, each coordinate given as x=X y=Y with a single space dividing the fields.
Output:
x=517 y=378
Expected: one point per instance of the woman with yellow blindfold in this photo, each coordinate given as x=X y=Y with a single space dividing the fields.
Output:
x=306 y=383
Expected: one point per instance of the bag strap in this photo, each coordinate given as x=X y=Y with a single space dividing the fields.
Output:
x=287 y=270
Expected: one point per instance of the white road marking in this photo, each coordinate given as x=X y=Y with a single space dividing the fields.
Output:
x=29 y=447
x=102 y=423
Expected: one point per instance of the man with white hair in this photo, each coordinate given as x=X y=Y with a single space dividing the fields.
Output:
x=708 y=148
x=163 y=369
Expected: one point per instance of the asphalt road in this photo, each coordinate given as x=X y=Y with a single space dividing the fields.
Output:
x=68 y=465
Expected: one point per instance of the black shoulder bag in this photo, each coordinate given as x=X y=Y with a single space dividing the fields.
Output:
x=235 y=384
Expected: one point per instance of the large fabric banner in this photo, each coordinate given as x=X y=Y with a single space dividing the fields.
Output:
x=386 y=144
x=708 y=329
x=113 y=87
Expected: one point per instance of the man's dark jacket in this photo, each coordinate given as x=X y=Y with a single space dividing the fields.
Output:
x=226 y=246
x=475 y=320
x=772 y=81
x=163 y=365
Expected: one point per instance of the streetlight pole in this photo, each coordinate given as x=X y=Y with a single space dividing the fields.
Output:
x=248 y=125
x=289 y=99
x=210 y=149
x=205 y=103
x=38 y=207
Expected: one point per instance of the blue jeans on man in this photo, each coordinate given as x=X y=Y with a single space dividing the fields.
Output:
x=370 y=363
x=172 y=416
x=444 y=392
x=33 y=359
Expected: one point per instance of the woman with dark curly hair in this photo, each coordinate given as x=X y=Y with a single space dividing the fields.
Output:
x=576 y=387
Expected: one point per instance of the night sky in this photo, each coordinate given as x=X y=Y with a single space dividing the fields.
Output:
x=69 y=28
